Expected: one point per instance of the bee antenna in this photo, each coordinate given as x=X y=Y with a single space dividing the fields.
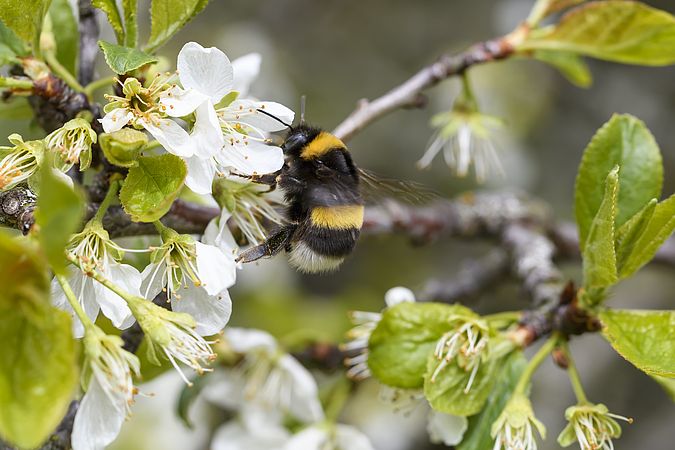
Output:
x=303 y=101
x=275 y=118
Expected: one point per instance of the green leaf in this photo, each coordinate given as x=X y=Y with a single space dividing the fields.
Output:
x=152 y=186
x=614 y=30
x=38 y=358
x=478 y=434
x=599 y=256
x=123 y=147
x=629 y=233
x=66 y=34
x=645 y=338
x=446 y=393
x=10 y=46
x=660 y=227
x=109 y=7
x=59 y=213
x=624 y=141
x=24 y=17
x=130 y=25
x=168 y=17
x=668 y=385
x=124 y=59
x=401 y=343
x=572 y=66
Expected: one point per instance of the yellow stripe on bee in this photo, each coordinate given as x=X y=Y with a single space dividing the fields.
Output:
x=338 y=217
x=320 y=145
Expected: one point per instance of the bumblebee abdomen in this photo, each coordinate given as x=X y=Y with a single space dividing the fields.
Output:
x=326 y=237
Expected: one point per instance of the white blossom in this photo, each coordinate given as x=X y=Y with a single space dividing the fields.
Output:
x=233 y=136
x=110 y=392
x=265 y=376
x=514 y=428
x=253 y=429
x=95 y=251
x=196 y=277
x=592 y=426
x=72 y=143
x=18 y=163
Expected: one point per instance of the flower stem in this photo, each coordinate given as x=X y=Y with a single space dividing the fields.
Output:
x=573 y=373
x=534 y=363
x=337 y=400
x=16 y=84
x=129 y=298
x=72 y=299
x=98 y=84
x=62 y=72
x=110 y=197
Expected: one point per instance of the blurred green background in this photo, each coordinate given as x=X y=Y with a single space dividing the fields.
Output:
x=339 y=51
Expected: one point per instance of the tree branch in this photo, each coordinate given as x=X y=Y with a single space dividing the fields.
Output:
x=474 y=277
x=16 y=208
x=409 y=93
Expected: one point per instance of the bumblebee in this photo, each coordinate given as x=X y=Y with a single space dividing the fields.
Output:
x=323 y=194
x=324 y=209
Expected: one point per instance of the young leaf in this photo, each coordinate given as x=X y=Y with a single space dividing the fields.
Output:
x=572 y=66
x=109 y=7
x=130 y=25
x=24 y=17
x=124 y=59
x=660 y=227
x=152 y=186
x=630 y=232
x=401 y=343
x=66 y=34
x=645 y=338
x=447 y=394
x=614 y=30
x=599 y=256
x=38 y=358
x=10 y=46
x=624 y=141
x=168 y=17
x=59 y=213
x=478 y=434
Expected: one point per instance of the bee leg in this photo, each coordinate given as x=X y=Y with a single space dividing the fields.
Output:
x=269 y=179
x=273 y=245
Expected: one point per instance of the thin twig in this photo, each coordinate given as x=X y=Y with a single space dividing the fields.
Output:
x=89 y=32
x=409 y=93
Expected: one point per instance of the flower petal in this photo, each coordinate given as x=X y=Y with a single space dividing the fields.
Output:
x=211 y=312
x=113 y=306
x=218 y=233
x=216 y=269
x=243 y=340
x=237 y=436
x=152 y=280
x=181 y=102
x=246 y=112
x=206 y=70
x=206 y=133
x=246 y=69
x=225 y=388
x=171 y=135
x=312 y=438
x=304 y=403
x=446 y=428
x=116 y=119
x=253 y=159
x=349 y=438
x=200 y=175
x=98 y=420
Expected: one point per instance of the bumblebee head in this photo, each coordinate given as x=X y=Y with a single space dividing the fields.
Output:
x=298 y=138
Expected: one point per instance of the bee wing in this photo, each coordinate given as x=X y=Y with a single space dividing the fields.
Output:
x=375 y=188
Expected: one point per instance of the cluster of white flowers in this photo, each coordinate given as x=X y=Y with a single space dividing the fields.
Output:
x=265 y=386
x=199 y=114
x=228 y=133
